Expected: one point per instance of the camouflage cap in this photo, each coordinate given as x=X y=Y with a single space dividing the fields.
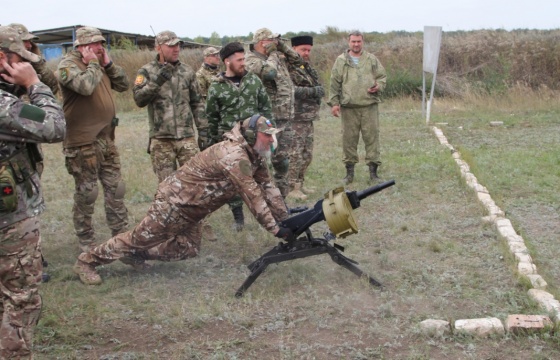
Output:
x=88 y=35
x=24 y=34
x=167 y=38
x=11 y=41
x=263 y=125
x=210 y=51
x=264 y=34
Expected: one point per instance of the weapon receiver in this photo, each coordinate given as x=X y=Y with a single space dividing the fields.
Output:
x=336 y=209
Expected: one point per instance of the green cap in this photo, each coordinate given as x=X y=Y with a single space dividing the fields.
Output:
x=88 y=35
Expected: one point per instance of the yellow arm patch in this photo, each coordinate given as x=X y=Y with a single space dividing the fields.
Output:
x=140 y=79
x=245 y=167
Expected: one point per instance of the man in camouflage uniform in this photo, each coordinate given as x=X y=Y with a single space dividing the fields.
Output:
x=169 y=89
x=233 y=96
x=357 y=78
x=171 y=229
x=208 y=69
x=22 y=126
x=86 y=76
x=45 y=74
x=268 y=59
x=308 y=95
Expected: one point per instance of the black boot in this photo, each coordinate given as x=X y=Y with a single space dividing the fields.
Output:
x=349 y=174
x=373 y=171
x=238 y=217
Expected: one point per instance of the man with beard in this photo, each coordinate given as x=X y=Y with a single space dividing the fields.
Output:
x=308 y=95
x=86 y=76
x=268 y=59
x=170 y=91
x=170 y=231
x=234 y=95
x=22 y=125
x=357 y=78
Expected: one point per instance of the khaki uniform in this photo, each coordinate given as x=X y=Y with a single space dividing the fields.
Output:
x=273 y=71
x=21 y=201
x=307 y=105
x=359 y=110
x=173 y=109
x=171 y=229
x=89 y=147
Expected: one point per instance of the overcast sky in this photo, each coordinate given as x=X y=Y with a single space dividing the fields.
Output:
x=240 y=17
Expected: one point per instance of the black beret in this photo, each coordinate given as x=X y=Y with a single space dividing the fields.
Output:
x=302 y=40
x=230 y=49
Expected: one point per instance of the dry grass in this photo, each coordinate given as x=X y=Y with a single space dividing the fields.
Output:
x=423 y=239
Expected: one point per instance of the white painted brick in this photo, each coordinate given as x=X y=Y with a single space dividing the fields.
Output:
x=480 y=327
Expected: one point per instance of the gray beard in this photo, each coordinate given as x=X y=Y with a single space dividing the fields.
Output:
x=265 y=154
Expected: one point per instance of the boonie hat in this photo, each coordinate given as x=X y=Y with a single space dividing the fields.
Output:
x=11 y=41
x=263 y=125
x=210 y=51
x=264 y=34
x=167 y=38
x=24 y=34
x=88 y=35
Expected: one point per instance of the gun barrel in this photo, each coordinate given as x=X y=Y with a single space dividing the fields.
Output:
x=374 y=189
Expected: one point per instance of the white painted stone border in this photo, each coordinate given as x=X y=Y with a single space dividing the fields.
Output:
x=505 y=229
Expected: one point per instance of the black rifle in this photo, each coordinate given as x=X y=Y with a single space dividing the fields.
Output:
x=308 y=245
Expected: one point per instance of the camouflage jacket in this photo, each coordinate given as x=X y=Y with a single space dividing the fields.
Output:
x=89 y=107
x=173 y=106
x=212 y=177
x=273 y=71
x=204 y=76
x=306 y=107
x=227 y=103
x=45 y=74
x=349 y=82
x=21 y=127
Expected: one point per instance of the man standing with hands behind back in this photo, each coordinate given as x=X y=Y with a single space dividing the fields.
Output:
x=86 y=76
x=357 y=78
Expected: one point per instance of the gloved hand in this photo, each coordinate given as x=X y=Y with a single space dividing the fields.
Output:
x=270 y=47
x=282 y=46
x=204 y=140
x=285 y=233
x=319 y=91
x=164 y=74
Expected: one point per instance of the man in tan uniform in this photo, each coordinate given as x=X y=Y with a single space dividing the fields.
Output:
x=171 y=229
x=209 y=68
x=86 y=76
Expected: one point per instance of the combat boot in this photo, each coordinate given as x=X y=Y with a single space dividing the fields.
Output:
x=307 y=190
x=296 y=193
x=238 y=217
x=208 y=232
x=349 y=174
x=87 y=273
x=373 y=171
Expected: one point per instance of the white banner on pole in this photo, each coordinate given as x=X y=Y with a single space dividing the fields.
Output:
x=432 y=45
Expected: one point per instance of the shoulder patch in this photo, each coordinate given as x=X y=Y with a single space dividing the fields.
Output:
x=140 y=79
x=245 y=167
x=32 y=113
x=63 y=73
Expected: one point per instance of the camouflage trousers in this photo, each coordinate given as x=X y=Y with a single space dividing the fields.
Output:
x=164 y=234
x=89 y=164
x=302 y=151
x=365 y=120
x=281 y=156
x=169 y=154
x=20 y=274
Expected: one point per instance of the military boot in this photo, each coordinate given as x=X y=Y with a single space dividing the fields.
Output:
x=349 y=174
x=296 y=193
x=238 y=217
x=373 y=171
x=87 y=273
x=208 y=232
x=307 y=190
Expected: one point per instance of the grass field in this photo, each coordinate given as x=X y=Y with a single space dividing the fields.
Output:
x=423 y=239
